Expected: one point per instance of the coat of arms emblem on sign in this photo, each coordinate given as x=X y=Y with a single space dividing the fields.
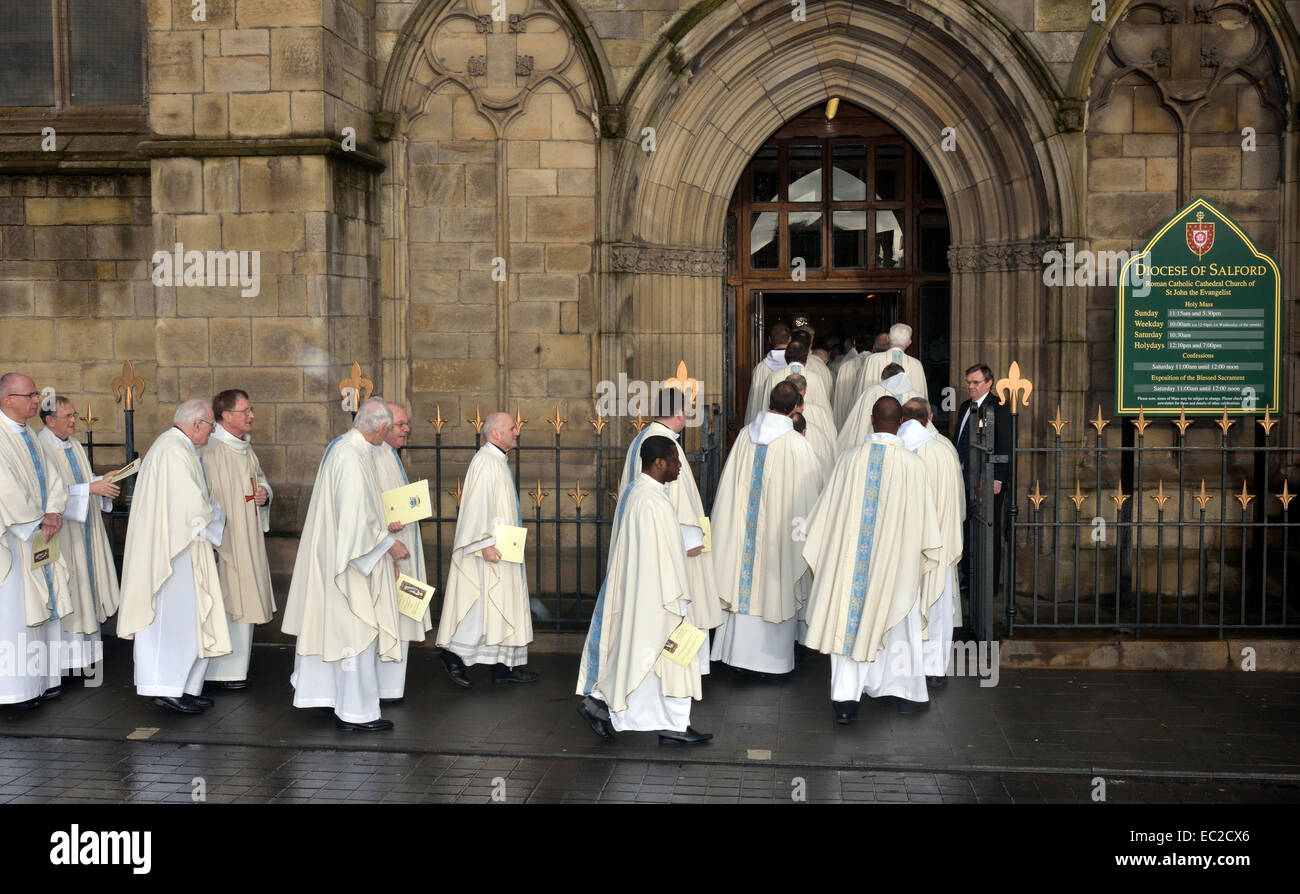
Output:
x=1200 y=235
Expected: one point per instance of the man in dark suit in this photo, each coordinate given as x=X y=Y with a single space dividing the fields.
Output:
x=984 y=405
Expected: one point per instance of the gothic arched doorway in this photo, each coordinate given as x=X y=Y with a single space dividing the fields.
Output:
x=839 y=222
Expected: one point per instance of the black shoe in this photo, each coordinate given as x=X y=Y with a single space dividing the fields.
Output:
x=845 y=712
x=936 y=682
x=591 y=711
x=199 y=701
x=229 y=684
x=52 y=692
x=371 y=727
x=692 y=736
x=392 y=701
x=513 y=675
x=176 y=705
x=455 y=668
x=905 y=706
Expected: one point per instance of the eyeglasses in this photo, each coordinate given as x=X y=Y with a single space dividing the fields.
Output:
x=207 y=422
x=25 y=396
x=247 y=412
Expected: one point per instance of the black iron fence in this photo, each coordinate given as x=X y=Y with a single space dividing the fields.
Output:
x=1137 y=529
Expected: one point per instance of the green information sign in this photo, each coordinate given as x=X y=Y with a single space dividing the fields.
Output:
x=1200 y=316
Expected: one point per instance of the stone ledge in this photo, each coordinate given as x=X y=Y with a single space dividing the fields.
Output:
x=153 y=148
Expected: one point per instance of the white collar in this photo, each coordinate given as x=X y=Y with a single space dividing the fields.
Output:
x=495 y=450
x=16 y=427
x=648 y=479
x=185 y=439
x=913 y=434
x=767 y=427
x=979 y=401
x=885 y=437
x=50 y=437
x=239 y=445
x=775 y=359
x=897 y=384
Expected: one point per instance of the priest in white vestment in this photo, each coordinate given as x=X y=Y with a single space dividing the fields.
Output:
x=242 y=491
x=92 y=573
x=33 y=496
x=768 y=487
x=940 y=594
x=796 y=355
x=850 y=373
x=705 y=609
x=857 y=427
x=778 y=338
x=626 y=680
x=872 y=538
x=900 y=338
x=486 y=615
x=817 y=367
x=342 y=603
x=819 y=430
x=392 y=474
x=171 y=594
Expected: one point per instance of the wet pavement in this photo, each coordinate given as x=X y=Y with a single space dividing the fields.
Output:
x=1037 y=736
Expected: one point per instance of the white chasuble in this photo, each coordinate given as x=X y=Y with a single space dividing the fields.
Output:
x=857 y=427
x=235 y=474
x=32 y=601
x=486 y=616
x=871 y=538
x=642 y=601
x=343 y=597
x=874 y=368
x=93 y=573
x=706 y=605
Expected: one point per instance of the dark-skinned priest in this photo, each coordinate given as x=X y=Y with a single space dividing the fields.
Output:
x=872 y=537
x=627 y=680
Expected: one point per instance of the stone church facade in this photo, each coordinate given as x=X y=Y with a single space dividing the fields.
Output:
x=490 y=203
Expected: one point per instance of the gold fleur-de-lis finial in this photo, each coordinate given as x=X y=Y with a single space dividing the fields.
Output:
x=1078 y=496
x=1204 y=497
x=356 y=382
x=1245 y=496
x=613 y=497
x=1182 y=422
x=90 y=418
x=1161 y=497
x=557 y=423
x=1285 y=497
x=638 y=423
x=436 y=419
x=1141 y=422
x=1098 y=423
x=538 y=495
x=1267 y=423
x=520 y=421
x=1224 y=422
x=1057 y=423
x=1119 y=497
x=125 y=385
x=690 y=387
x=577 y=495
x=1037 y=497
x=1010 y=388
x=456 y=493
x=598 y=423
x=477 y=421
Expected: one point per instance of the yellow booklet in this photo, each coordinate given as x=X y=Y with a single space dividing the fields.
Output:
x=683 y=643
x=413 y=597
x=126 y=471
x=510 y=541
x=708 y=533
x=407 y=504
x=44 y=551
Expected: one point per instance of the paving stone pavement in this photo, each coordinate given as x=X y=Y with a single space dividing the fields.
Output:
x=1039 y=736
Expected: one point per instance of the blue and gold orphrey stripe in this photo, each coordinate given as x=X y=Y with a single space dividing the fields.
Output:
x=751 y=530
x=866 y=540
x=40 y=478
x=77 y=477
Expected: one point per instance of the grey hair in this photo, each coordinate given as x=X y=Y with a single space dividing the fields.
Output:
x=373 y=415
x=799 y=382
x=191 y=410
x=900 y=335
x=498 y=422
